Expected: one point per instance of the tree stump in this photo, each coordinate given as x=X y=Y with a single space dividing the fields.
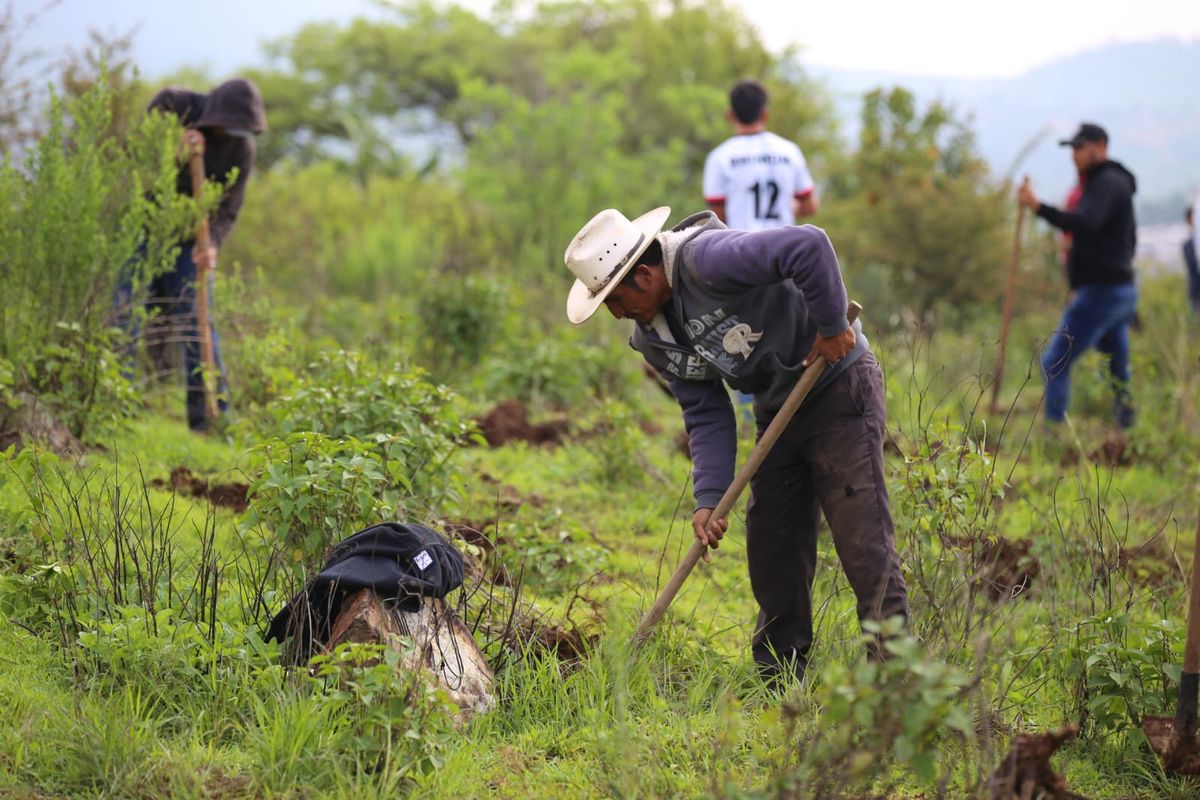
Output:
x=440 y=641
x=32 y=422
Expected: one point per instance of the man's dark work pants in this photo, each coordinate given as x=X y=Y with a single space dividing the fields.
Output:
x=828 y=460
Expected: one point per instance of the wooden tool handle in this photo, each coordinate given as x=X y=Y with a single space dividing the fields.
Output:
x=203 y=244
x=1006 y=314
x=782 y=417
x=1191 y=648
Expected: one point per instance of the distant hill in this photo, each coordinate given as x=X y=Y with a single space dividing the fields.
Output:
x=1147 y=95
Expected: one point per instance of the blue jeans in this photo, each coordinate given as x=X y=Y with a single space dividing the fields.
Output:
x=174 y=294
x=1099 y=317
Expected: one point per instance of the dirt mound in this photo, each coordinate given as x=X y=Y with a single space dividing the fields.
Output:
x=486 y=565
x=226 y=495
x=1026 y=770
x=650 y=427
x=1113 y=452
x=1006 y=568
x=569 y=646
x=509 y=422
x=1150 y=563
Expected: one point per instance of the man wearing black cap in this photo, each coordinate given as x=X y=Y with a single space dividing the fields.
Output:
x=1099 y=269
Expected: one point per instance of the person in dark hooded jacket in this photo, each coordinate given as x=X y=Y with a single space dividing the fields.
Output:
x=1100 y=272
x=228 y=117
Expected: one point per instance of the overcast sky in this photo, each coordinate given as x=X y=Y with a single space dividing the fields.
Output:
x=952 y=38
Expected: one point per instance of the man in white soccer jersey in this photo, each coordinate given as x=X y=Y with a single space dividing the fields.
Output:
x=756 y=180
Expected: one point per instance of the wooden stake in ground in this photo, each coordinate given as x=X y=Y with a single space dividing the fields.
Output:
x=803 y=386
x=195 y=147
x=1006 y=314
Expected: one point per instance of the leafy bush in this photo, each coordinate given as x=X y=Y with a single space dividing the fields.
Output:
x=460 y=321
x=314 y=491
x=562 y=372
x=875 y=715
x=83 y=376
x=553 y=559
x=397 y=721
x=1120 y=667
x=72 y=217
x=917 y=208
x=411 y=426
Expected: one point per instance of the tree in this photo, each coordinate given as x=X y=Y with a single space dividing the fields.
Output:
x=917 y=209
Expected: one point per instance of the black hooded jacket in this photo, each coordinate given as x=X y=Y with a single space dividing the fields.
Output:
x=1103 y=227
x=235 y=106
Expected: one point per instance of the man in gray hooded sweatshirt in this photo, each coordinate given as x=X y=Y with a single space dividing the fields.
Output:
x=713 y=306
x=228 y=117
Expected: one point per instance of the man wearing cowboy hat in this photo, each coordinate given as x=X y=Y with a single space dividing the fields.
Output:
x=713 y=306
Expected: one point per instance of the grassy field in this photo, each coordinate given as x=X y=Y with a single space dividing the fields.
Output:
x=1047 y=587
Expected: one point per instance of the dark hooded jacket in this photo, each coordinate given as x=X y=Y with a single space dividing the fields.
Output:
x=1102 y=226
x=236 y=108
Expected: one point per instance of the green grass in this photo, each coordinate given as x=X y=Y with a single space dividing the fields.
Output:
x=127 y=703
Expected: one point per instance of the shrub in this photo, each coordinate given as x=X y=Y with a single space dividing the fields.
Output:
x=411 y=426
x=561 y=372
x=313 y=491
x=875 y=715
x=460 y=319
x=397 y=720
x=72 y=217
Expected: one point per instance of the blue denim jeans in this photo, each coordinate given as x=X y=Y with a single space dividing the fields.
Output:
x=173 y=293
x=1099 y=317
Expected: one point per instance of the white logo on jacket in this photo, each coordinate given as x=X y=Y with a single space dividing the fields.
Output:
x=738 y=340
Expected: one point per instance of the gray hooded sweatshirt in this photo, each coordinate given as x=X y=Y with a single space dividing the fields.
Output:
x=748 y=307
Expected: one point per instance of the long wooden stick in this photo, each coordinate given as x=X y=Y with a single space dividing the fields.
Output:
x=1189 y=683
x=203 y=245
x=1006 y=314
x=800 y=391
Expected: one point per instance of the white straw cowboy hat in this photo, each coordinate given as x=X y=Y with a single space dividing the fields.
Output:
x=602 y=252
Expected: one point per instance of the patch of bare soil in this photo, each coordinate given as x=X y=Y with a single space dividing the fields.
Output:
x=481 y=560
x=1113 y=452
x=509 y=422
x=650 y=427
x=1180 y=752
x=1026 y=771
x=570 y=646
x=1006 y=567
x=1150 y=563
x=184 y=481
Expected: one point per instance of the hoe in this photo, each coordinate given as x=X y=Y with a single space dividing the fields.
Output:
x=194 y=141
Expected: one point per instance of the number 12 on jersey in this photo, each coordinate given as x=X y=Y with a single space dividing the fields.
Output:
x=769 y=191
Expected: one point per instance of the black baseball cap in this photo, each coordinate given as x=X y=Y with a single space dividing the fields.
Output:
x=1088 y=132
